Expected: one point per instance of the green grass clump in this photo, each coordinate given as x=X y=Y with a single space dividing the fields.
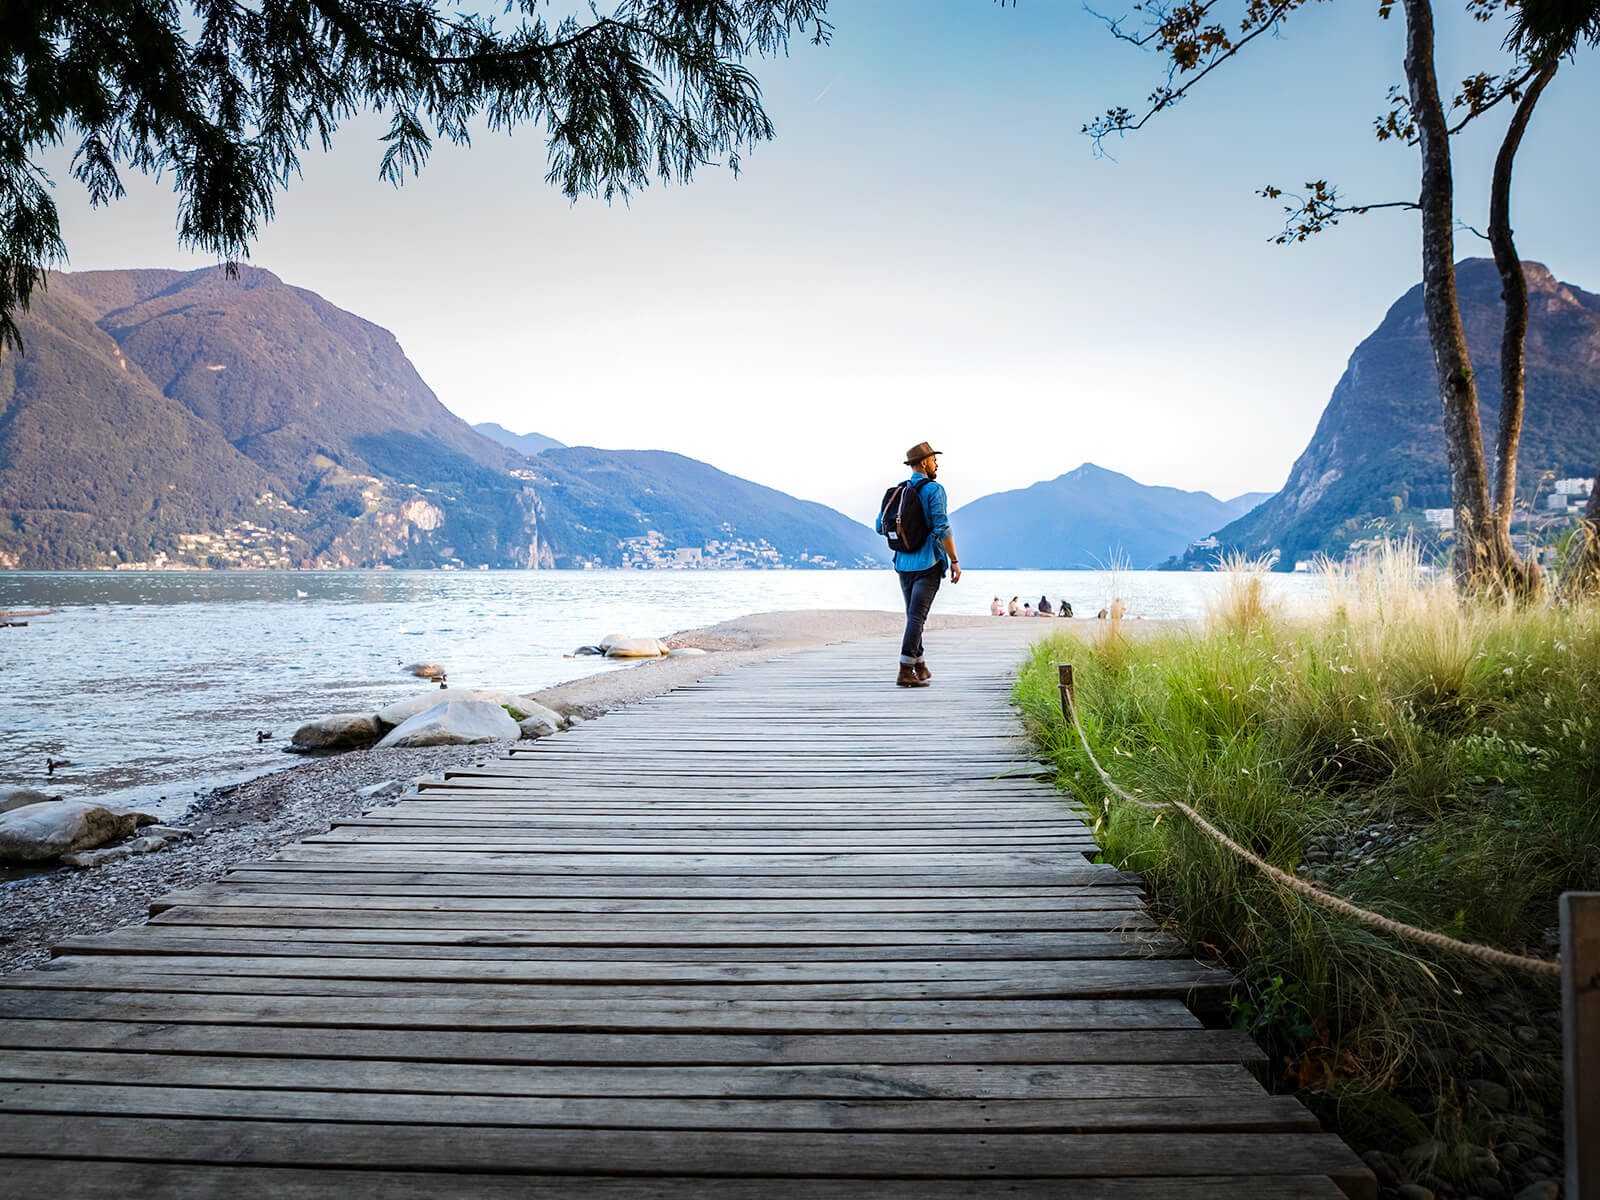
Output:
x=1435 y=761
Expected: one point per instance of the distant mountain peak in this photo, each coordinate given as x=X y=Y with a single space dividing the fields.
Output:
x=1377 y=459
x=530 y=443
x=1088 y=517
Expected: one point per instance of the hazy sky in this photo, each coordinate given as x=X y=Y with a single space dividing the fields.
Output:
x=929 y=249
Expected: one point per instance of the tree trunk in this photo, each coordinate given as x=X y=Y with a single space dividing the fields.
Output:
x=1524 y=579
x=1475 y=560
x=1581 y=575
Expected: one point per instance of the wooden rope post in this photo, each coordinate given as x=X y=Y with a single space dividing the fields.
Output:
x=1069 y=694
x=1580 y=1008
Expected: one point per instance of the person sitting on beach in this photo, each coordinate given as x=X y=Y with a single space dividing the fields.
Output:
x=996 y=609
x=1118 y=609
x=1044 y=607
x=1065 y=609
x=1027 y=610
x=1013 y=610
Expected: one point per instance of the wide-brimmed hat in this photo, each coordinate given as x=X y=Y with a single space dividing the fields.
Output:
x=919 y=452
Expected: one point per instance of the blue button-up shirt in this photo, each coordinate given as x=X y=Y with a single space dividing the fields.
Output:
x=936 y=506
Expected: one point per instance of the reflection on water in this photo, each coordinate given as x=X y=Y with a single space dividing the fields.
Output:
x=155 y=685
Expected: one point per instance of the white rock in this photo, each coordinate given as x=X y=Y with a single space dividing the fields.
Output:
x=387 y=790
x=97 y=858
x=453 y=723
x=403 y=710
x=534 y=709
x=635 y=648
x=20 y=797
x=518 y=705
x=39 y=832
x=170 y=832
x=538 y=726
x=337 y=732
x=684 y=652
x=610 y=640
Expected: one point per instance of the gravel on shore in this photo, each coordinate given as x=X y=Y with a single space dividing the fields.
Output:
x=251 y=821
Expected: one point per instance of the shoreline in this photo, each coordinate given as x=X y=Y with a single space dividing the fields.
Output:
x=252 y=820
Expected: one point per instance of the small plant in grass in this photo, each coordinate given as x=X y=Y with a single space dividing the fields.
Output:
x=1436 y=762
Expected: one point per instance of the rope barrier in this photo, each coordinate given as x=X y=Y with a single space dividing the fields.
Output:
x=1300 y=887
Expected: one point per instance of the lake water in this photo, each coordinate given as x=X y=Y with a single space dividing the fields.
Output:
x=154 y=684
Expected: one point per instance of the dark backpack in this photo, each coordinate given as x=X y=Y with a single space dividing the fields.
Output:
x=904 y=519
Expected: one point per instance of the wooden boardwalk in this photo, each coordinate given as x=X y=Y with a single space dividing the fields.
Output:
x=790 y=932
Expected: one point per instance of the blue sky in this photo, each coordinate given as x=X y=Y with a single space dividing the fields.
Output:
x=929 y=249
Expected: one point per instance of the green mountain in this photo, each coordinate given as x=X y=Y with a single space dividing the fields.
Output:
x=528 y=444
x=1089 y=517
x=1377 y=458
x=168 y=417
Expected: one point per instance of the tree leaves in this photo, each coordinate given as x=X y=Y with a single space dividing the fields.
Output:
x=226 y=94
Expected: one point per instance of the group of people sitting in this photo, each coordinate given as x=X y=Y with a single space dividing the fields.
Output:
x=997 y=609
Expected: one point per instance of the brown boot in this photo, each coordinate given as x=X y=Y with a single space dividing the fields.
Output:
x=922 y=672
x=908 y=677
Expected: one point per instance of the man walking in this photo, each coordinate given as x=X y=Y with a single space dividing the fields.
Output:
x=921 y=570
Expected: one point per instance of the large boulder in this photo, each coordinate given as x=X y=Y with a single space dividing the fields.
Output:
x=610 y=640
x=424 y=670
x=540 y=721
x=341 y=731
x=39 y=832
x=636 y=648
x=455 y=722
x=542 y=712
x=685 y=652
x=402 y=711
x=515 y=704
x=20 y=797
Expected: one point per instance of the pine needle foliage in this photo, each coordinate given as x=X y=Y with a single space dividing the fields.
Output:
x=1432 y=760
x=223 y=96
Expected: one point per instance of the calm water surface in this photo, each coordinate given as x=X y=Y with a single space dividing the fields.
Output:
x=155 y=684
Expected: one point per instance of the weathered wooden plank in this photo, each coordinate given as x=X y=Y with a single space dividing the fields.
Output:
x=847 y=952
x=917 y=1081
x=626 y=1012
x=1062 y=867
x=116 y=1180
x=1252 y=1114
x=789 y=853
x=333 y=915
x=127 y=973
x=642 y=1049
x=295 y=893
x=945 y=1155
x=484 y=943
x=854 y=887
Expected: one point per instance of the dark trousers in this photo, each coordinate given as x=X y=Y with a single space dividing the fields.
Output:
x=920 y=587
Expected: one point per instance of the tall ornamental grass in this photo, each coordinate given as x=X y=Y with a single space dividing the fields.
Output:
x=1432 y=760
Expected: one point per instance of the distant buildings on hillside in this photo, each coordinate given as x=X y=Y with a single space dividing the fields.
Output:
x=1567 y=494
x=651 y=551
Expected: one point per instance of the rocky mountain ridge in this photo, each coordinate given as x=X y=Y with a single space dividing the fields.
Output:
x=169 y=418
x=1377 y=460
